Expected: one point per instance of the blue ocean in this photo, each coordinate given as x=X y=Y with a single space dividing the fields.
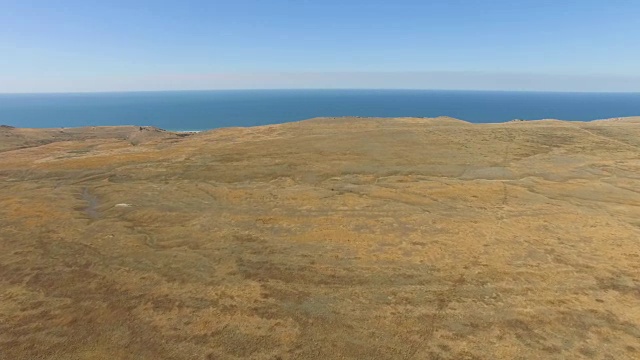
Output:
x=201 y=110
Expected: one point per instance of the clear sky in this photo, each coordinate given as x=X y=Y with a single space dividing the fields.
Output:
x=89 y=45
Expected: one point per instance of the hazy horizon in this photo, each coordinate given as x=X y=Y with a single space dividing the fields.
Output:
x=134 y=91
x=428 y=81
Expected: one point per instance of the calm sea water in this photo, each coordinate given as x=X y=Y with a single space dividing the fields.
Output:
x=198 y=110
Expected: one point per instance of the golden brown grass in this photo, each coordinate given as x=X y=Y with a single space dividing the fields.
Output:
x=332 y=238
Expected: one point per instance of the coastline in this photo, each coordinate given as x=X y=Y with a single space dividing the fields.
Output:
x=614 y=120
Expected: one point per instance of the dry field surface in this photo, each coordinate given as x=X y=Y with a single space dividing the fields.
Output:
x=332 y=238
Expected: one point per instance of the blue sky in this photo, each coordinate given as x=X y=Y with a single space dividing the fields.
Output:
x=74 y=45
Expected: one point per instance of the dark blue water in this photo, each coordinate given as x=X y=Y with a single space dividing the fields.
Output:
x=197 y=110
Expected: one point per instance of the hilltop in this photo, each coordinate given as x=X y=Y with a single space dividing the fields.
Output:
x=351 y=238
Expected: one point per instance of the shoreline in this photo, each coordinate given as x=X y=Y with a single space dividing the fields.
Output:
x=12 y=138
x=620 y=119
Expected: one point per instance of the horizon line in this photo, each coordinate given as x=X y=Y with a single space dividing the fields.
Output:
x=312 y=89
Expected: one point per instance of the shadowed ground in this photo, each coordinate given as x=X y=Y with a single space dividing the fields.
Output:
x=343 y=238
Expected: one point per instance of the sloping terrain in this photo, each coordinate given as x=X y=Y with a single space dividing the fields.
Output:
x=12 y=138
x=341 y=238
